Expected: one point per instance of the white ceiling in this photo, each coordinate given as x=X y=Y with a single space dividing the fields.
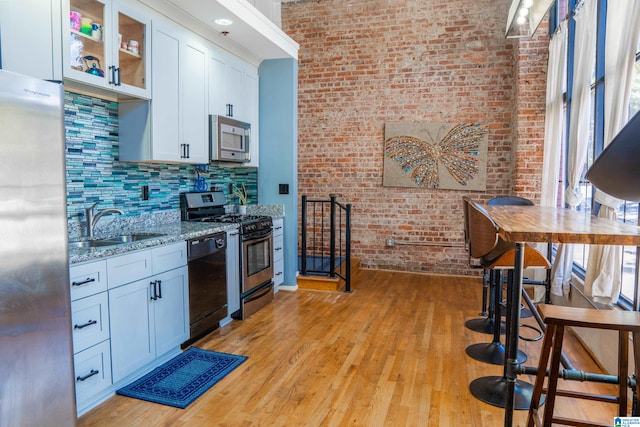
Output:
x=251 y=30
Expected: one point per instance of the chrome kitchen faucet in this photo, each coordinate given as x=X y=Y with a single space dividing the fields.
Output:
x=92 y=218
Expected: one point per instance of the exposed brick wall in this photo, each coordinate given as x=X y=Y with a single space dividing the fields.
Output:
x=530 y=96
x=365 y=62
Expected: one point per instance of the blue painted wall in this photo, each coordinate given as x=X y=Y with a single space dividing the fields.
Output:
x=95 y=174
x=279 y=149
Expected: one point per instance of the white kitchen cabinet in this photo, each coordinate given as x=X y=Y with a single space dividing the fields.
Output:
x=115 y=54
x=33 y=49
x=92 y=369
x=90 y=320
x=90 y=331
x=131 y=315
x=195 y=124
x=278 y=252
x=233 y=92
x=233 y=271
x=171 y=310
x=174 y=127
x=88 y=279
x=149 y=317
x=127 y=268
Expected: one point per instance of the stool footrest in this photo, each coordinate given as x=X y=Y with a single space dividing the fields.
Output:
x=587 y=396
x=580 y=423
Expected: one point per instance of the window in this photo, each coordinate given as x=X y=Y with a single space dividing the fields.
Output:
x=629 y=211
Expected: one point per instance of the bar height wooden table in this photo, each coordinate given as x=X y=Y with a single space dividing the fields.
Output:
x=531 y=224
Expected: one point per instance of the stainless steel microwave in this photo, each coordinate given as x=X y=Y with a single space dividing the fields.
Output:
x=229 y=139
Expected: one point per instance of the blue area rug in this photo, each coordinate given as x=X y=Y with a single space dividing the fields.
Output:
x=184 y=378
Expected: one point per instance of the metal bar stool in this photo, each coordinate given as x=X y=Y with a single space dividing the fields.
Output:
x=496 y=254
x=556 y=319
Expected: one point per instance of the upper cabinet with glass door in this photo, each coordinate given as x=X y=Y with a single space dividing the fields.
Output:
x=107 y=46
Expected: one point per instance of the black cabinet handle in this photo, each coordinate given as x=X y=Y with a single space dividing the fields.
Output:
x=279 y=273
x=188 y=151
x=278 y=248
x=89 y=323
x=112 y=79
x=84 y=282
x=159 y=288
x=229 y=110
x=153 y=292
x=89 y=375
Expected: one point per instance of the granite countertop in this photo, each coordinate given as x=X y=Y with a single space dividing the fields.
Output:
x=170 y=232
x=167 y=224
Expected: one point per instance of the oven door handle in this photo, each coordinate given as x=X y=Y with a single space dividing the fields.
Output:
x=257 y=235
x=260 y=293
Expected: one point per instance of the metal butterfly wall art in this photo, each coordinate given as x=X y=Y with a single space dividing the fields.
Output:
x=457 y=151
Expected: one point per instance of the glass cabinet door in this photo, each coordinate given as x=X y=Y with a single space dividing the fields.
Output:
x=132 y=47
x=87 y=51
x=108 y=43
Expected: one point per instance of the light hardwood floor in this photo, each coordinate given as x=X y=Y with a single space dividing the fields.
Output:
x=392 y=353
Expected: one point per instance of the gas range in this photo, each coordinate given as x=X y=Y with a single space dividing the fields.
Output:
x=255 y=251
x=208 y=206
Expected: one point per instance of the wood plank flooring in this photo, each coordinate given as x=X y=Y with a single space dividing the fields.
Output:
x=392 y=353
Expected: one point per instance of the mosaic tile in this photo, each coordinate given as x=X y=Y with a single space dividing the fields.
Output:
x=94 y=173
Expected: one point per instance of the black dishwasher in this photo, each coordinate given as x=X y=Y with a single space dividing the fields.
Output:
x=207 y=284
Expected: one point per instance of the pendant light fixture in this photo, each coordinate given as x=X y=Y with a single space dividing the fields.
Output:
x=525 y=17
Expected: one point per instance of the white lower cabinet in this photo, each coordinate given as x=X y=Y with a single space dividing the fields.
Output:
x=278 y=252
x=149 y=317
x=129 y=313
x=92 y=373
x=90 y=331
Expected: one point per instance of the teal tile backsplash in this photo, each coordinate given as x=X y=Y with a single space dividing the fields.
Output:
x=94 y=173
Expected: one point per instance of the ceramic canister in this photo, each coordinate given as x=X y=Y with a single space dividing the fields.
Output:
x=86 y=26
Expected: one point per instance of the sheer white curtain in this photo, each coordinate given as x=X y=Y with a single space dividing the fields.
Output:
x=584 y=60
x=553 y=128
x=603 y=278
x=554 y=116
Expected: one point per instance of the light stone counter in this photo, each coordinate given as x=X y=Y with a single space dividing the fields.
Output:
x=166 y=223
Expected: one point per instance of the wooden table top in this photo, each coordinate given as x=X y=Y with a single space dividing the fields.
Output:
x=559 y=225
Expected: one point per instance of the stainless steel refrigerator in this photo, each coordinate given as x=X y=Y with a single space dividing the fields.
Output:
x=36 y=365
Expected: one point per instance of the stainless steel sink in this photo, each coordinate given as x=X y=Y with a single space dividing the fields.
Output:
x=111 y=241
x=83 y=244
x=125 y=238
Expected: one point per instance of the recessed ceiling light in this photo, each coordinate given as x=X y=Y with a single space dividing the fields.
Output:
x=223 y=21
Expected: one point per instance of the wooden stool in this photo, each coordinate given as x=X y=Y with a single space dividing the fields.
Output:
x=556 y=318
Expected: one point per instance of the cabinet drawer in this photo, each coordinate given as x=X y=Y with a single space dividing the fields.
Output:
x=278 y=226
x=168 y=257
x=90 y=321
x=278 y=247
x=92 y=369
x=278 y=272
x=87 y=279
x=129 y=268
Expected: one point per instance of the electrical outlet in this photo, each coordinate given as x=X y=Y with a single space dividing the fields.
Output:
x=283 y=188
x=390 y=241
x=145 y=192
